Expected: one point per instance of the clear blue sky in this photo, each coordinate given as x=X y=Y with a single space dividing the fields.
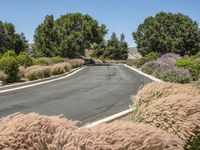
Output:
x=120 y=16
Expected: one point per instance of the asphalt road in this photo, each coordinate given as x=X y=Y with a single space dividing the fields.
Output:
x=91 y=94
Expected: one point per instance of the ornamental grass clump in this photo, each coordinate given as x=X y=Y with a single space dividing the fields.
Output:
x=171 y=107
x=33 y=131
x=60 y=68
x=3 y=76
x=153 y=91
x=37 y=72
x=75 y=62
x=122 y=135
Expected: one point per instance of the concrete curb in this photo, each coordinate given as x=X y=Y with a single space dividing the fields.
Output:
x=15 y=85
x=144 y=74
x=109 y=119
x=42 y=82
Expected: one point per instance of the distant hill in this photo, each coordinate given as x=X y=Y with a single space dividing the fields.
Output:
x=133 y=51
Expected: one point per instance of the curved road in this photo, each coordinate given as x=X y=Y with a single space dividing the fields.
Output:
x=93 y=93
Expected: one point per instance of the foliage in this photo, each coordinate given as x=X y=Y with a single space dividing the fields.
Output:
x=165 y=68
x=168 y=32
x=149 y=57
x=55 y=60
x=42 y=61
x=171 y=107
x=37 y=72
x=131 y=62
x=113 y=49
x=60 y=68
x=3 y=76
x=24 y=59
x=9 y=53
x=75 y=62
x=10 y=66
x=45 y=44
x=193 y=143
x=198 y=85
x=9 y=39
x=68 y=36
x=190 y=64
x=175 y=75
x=53 y=132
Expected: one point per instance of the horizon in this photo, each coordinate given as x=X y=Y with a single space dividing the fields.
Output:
x=116 y=15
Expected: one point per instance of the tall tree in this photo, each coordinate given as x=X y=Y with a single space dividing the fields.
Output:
x=10 y=40
x=112 y=49
x=167 y=32
x=68 y=36
x=78 y=32
x=45 y=38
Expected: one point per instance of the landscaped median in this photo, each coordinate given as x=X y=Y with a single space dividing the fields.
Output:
x=23 y=67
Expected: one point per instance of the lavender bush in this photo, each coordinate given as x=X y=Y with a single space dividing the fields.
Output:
x=165 y=68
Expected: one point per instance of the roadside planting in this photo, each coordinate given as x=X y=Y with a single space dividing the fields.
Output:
x=174 y=108
x=33 y=131
x=14 y=68
x=169 y=67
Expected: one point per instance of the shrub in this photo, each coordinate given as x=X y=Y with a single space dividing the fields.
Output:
x=42 y=61
x=188 y=63
x=163 y=63
x=9 y=53
x=60 y=68
x=168 y=32
x=21 y=71
x=149 y=57
x=55 y=60
x=198 y=85
x=33 y=131
x=3 y=76
x=193 y=143
x=165 y=68
x=131 y=62
x=10 y=66
x=121 y=135
x=170 y=107
x=75 y=62
x=175 y=75
x=24 y=59
x=37 y=72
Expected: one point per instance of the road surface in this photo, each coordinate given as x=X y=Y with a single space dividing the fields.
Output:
x=93 y=93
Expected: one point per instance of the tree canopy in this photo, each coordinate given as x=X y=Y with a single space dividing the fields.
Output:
x=112 y=49
x=67 y=36
x=10 y=40
x=168 y=32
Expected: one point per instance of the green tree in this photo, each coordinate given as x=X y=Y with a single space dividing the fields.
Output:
x=9 y=39
x=68 y=36
x=112 y=49
x=168 y=32
x=45 y=39
x=78 y=32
